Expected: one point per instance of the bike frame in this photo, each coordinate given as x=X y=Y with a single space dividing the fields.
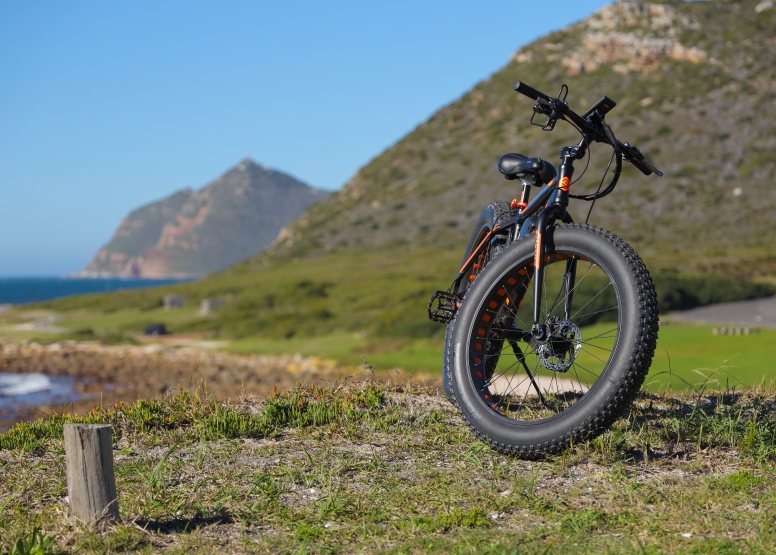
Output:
x=551 y=202
x=550 y=206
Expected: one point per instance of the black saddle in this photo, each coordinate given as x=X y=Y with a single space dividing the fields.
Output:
x=515 y=166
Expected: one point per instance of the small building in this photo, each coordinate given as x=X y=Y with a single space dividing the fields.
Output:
x=173 y=301
x=208 y=305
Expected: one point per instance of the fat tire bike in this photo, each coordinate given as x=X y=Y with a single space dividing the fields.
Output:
x=551 y=324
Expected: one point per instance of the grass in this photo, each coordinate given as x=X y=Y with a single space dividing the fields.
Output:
x=381 y=469
x=381 y=295
x=689 y=355
x=350 y=305
x=420 y=355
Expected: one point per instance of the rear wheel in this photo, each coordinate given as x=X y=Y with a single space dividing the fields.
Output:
x=530 y=397
x=497 y=213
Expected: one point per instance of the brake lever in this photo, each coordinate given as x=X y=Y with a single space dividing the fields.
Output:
x=632 y=154
x=636 y=154
x=543 y=107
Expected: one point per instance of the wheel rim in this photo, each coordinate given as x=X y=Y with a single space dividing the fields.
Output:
x=565 y=369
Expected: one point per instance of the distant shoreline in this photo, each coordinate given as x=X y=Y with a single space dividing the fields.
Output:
x=23 y=290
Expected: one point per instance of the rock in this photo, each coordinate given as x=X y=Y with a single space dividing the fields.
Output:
x=633 y=37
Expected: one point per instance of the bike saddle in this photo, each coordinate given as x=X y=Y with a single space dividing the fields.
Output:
x=514 y=165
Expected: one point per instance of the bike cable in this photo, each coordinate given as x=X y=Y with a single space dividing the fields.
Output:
x=598 y=192
x=587 y=162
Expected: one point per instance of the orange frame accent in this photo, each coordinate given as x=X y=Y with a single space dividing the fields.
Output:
x=537 y=250
x=477 y=250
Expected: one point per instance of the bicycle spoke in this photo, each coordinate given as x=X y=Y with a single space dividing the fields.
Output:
x=521 y=357
x=592 y=355
x=591 y=300
x=588 y=315
x=586 y=370
x=601 y=335
x=598 y=347
x=576 y=285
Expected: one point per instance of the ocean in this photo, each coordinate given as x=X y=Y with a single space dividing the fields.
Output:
x=36 y=289
x=19 y=392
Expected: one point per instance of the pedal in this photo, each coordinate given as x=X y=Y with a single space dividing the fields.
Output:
x=442 y=307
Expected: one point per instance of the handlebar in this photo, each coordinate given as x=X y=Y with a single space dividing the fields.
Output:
x=597 y=130
x=529 y=91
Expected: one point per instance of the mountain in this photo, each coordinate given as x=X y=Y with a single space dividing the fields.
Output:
x=196 y=232
x=695 y=86
x=695 y=89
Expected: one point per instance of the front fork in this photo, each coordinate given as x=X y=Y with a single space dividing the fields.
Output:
x=555 y=210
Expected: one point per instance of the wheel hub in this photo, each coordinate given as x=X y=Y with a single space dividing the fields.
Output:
x=563 y=343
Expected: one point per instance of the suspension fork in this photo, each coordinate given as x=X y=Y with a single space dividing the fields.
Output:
x=556 y=209
x=547 y=215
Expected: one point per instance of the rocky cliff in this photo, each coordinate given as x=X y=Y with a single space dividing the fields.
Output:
x=196 y=232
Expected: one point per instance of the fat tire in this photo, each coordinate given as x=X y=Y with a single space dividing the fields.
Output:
x=618 y=383
x=497 y=213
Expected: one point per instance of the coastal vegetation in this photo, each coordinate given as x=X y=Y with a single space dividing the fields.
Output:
x=376 y=468
x=345 y=306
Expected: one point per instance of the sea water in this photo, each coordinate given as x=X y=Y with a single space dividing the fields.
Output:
x=20 y=391
x=37 y=289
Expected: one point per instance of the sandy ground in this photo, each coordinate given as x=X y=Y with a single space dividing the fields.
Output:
x=519 y=385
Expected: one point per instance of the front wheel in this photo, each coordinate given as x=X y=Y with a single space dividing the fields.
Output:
x=530 y=397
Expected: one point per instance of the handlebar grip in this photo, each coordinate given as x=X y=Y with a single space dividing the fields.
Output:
x=634 y=159
x=529 y=91
x=641 y=167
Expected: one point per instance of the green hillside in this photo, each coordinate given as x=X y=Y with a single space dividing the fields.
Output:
x=695 y=89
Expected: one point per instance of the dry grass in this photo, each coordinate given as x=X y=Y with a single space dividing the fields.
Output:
x=372 y=468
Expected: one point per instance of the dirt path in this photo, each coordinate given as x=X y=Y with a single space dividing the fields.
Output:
x=757 y=312
x=520 y=385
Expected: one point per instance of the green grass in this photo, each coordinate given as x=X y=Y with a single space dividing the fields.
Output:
x=420 y=355
x=379 y=294
x=375 y=469
x=687 y=355
x=350 y=305
x=690 y=355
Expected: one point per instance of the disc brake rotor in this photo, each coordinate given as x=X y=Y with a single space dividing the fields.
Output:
x=562 y=346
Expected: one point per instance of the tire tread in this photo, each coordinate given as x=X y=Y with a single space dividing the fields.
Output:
x=633 y=377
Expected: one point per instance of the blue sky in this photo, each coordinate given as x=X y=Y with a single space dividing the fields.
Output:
x=105 y=106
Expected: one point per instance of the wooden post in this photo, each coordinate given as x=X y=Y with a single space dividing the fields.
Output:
x=91 y=484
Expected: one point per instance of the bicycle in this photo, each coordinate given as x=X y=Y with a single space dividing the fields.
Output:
x=534 y=378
